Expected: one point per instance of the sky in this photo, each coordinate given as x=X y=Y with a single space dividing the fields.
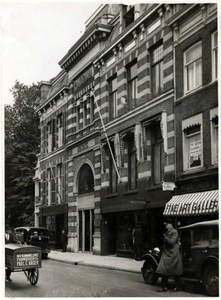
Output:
x=35 y=36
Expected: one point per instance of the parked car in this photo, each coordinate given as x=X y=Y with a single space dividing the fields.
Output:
x=200 y=256
x=35 y=236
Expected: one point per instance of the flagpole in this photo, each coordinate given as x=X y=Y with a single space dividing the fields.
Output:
x=111 y=152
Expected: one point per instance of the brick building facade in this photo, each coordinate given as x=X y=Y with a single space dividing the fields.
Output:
x=111 y=124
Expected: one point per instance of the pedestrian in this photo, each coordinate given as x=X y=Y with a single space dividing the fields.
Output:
x=8 y=240
x=64 y=240
x=137 y=241
x=170 y=262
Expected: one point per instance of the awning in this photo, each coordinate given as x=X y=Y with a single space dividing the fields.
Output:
x=195 y=204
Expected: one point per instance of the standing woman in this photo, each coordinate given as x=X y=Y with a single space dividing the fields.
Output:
x=170 y=262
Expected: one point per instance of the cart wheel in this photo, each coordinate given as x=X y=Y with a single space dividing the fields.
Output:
x=33 y=276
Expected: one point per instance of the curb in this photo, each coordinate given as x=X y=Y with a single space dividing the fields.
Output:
x=82 y=263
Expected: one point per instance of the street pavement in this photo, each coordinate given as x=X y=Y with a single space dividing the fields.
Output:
x=88 y=259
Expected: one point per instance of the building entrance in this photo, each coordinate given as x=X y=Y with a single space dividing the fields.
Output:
x=86 y=230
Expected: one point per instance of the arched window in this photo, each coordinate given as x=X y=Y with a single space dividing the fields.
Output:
x=86 y=180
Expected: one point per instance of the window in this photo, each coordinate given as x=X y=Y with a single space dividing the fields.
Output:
x=157 y=70
x=86 y=180
x=113 y=98
x=78 y=118
x=54 y=136
x=112 y=173
x=128 y=15
x=60 y=130
x=132 y=86
x=192 y=147
x=157 y=153
x=132 y=163
x=214 y=55
x=92 y=109
x=214 y=139
x=85 y=113
x=59 y=172
x=49 y=186
x=49 y=133
x=193 y=67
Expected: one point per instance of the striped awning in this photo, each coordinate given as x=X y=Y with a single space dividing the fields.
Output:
x=195 y=204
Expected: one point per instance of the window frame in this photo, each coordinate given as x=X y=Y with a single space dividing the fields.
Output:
x=85 y=113
x=92 y=109
x=50 y=136
x=214 y=50
x=186 y=65
x=132 y=155
x=158 y=66
x=132 y=89
x=59 y=174
x=113 y=179
x=128 y=11
x=112 y=98
x=186 y=150
x=214 y=141
x=49 y=186
x=60 y=130
x=154 y=142
x=78 y=115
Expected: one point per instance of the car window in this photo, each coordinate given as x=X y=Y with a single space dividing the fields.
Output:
x=201 y=237
x=39 y=232
x=215 y=237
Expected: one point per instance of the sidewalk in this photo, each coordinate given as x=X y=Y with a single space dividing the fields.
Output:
x=87 y=259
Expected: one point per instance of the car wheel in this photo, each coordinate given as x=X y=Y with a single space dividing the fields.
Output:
x=211 y=280
x=148 y=271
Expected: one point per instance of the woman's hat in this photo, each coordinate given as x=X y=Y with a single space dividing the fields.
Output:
x=168 y=221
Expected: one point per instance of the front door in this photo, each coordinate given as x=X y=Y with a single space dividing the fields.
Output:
x=86 y=230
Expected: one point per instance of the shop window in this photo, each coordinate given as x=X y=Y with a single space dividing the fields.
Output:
x=214 y=140
x=128 y=15
x=132 y=163
x=193 y=67
x=157 y=153
x=49 y=134
x=112 y=173
x=214 y=55
x=192 y=147
x=132 y=85
x=113 y=98
x=86 y=180
x=157 y=70
x=60 y=130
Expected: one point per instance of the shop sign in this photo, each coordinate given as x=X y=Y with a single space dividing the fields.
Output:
x=168 y=186
x=195 y=150
x=201 y=185
x=83 y=79
x=191 y=207
x=27 y=260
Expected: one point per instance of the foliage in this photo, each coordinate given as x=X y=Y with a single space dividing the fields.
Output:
x=22 y=139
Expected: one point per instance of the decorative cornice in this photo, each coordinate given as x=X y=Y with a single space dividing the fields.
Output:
x=84 y=44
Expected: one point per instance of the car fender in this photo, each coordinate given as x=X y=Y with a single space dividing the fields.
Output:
x=211 y=259
x=149 y=257
x=205 y=263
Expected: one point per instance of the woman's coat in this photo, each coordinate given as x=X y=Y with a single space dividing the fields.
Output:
x=170 y=262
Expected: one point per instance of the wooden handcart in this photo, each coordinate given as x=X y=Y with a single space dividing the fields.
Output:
x=23 y=258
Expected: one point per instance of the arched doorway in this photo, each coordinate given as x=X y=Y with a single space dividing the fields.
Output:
x=85 y=208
